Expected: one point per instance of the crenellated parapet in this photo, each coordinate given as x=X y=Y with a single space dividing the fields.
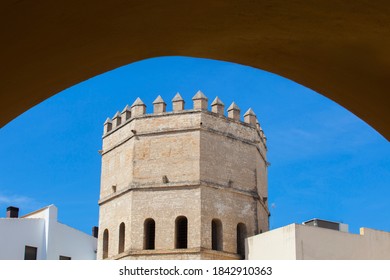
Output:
x=234 y=112
x=203 y=166
x=159 y=106
x=126 y=113
x=200 y=103
x=178 y=103
x=138 y=108
x=217 y=106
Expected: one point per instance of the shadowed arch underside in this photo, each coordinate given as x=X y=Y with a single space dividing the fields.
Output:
x=337 y=48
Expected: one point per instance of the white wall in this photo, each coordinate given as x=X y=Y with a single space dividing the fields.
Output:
x=313 y=243
x=72 y=243
x=272 y=245
x=41 y=229
x=63 y=240
x=15 y=234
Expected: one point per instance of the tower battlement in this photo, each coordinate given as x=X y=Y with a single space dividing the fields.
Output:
x=184 y=184
x=200 y=103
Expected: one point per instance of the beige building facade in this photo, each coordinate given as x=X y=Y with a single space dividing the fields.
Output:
x=304 y=242
x=186 y=184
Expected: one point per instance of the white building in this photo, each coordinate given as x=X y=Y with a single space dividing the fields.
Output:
x=40 y=236
x=308 y=242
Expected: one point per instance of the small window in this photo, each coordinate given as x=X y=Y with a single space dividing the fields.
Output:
x=149 y=234
x=241 y=235
x=216 y=235
x=121 y=238
x=105 y=244
x=181 y=232
x=30 y=253
x=65 y=258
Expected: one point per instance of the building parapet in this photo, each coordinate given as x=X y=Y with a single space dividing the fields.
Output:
x=307 y=242
x=200 y=103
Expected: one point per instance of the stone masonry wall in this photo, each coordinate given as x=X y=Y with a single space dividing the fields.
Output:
x=193 y=163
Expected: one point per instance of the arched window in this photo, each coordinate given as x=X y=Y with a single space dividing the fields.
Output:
x=181 y=232
x=105 y=244
x=121 y=247
x=241 y=235
x=216 y=235
x=149 y=234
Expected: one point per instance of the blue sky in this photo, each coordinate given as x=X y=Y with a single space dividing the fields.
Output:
x=325 y=162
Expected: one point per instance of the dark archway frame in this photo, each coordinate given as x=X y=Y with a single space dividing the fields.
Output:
x=337 y=48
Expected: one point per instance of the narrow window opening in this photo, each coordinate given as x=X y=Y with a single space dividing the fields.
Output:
x=241 y=235
x=149 y=234
x=113 y=187
x=105 y=244
x=30 y=253
x=121 y=238
x=216 y=235
x=64 y=258
x=181 y=232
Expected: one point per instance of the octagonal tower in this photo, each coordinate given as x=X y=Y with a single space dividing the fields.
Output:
x=186 y=184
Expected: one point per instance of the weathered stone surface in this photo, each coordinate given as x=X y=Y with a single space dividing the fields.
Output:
x=107 y=125
x=217 y=106
x=234 y=112
x=177 y=103
x=200 y=101
x=192 y=163
x=138 y=108
x=250 y=117
x=126 y=113
x=159 y=105
x=117 y=119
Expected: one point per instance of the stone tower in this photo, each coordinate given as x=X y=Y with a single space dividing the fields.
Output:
x=186 y=184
